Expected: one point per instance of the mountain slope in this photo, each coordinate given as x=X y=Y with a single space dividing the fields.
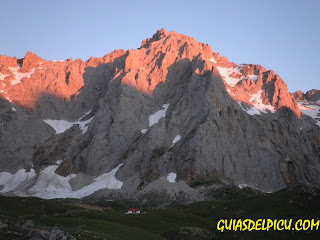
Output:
x=171 y=106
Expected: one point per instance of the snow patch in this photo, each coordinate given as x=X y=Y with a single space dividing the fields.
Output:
x=61 y=126
x=154 y=118
x=8 y=99
x=13 y=109
x=49 y=185
x=244 y=185
x=254 y=77
x=19 y=76
x=253 y=111
x=13 y=181
x=143 y=131
x=258 y=106
x=84 y=125
x=176 y=139
x=256 y=98
x=106 y=180
x=3 y=76
x=40 y=66
x=172 y=177
x=86 y=113
x=212 y=60
x=311 y=111
x=227 y=72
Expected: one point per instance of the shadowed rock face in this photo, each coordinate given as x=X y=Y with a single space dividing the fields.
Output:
x=235 y=123
x=310 y=96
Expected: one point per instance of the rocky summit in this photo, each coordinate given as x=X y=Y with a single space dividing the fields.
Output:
x=172 y=118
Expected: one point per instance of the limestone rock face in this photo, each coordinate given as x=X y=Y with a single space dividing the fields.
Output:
x=171 y=106
x=312 y=95
x=298 y=95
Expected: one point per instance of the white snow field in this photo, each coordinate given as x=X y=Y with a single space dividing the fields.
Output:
x=49 y=185
x=61 y=126
x=258 y=106
x=227 y=72
x=311 y=110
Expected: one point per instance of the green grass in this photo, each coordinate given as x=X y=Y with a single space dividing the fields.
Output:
x=174 y=222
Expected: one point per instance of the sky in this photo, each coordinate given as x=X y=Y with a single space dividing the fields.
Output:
x=282 y=35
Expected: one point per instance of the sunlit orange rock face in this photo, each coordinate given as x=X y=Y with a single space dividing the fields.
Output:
x=35 y=76
x=142 y=69
x=298 y=95
x=40 y=77
x=275 y=90
x=147 y=66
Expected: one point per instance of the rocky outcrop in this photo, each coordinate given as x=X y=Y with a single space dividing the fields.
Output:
x=171 y=106
x=298 y=95
x=310 y=96
x=313 y=95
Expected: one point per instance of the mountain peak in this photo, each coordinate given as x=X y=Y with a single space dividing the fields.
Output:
x=30 y=61
x=160 y=34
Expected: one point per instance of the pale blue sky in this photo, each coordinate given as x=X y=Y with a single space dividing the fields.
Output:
x=282 y=35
